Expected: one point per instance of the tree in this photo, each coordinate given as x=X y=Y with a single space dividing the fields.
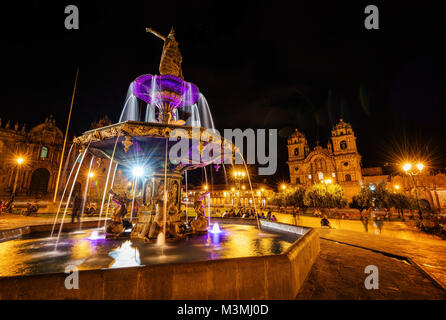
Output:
x=292 y=196
x=325 y=196
x=382 y=197
x=363 y=200
x=402 y=201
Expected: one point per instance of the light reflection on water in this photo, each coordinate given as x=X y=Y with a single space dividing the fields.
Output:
x=32 y=255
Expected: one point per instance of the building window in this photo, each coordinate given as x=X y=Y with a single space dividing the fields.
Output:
x=320 y=175
x=297 y=180
x=296 y=152
x=296 y=168
x=343 y=145
x=348 y=177
x=346 y=164
x=43 y=153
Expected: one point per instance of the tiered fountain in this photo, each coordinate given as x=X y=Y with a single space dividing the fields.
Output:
x=146 y=145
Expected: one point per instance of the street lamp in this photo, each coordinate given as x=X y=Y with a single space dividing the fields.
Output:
x=239 y=175
x=283 y=187
x=407 y=167
x=19 y=161
x=138 y=171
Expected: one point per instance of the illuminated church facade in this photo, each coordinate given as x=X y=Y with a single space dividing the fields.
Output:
x=338 y=163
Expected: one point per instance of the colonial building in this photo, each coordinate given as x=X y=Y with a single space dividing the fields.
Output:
x=339 y=162
x=222 y=195
x=40 y=150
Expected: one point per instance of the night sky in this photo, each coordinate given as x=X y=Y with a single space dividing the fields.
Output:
x=260 y=64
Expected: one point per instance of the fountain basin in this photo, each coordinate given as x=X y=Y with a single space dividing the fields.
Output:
x=265 y=276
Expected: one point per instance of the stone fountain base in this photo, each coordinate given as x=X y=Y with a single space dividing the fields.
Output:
x=261 y=277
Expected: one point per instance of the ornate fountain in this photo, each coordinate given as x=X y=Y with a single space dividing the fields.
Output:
x=131 y=143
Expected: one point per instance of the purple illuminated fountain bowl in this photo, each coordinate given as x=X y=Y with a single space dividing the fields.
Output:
x=162 y=89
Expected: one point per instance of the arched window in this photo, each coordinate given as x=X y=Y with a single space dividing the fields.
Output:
x=296 y=151
x=343 y=145
x=43 y=153
x=348 y=177
x=298 y=180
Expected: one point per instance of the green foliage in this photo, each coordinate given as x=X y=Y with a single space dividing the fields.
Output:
x=363 y=200
x=325 y=196
x=382 y=197
x=292 y=196
x=402 y=201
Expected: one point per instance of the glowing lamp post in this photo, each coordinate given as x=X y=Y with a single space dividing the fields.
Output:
x=412 y=172
x=239 y=176
x=19 y=162
x=138 y=171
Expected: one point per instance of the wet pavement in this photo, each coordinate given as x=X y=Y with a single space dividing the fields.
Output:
x=341 y=276
x=397 y=238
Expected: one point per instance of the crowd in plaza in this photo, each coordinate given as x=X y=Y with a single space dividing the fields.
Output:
x=248 y=213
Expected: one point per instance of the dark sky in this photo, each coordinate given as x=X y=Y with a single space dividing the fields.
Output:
x=260 y=65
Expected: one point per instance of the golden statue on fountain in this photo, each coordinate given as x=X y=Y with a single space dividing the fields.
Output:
x=171 y=57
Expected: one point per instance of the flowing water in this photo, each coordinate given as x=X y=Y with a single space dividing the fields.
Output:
x=87 y=249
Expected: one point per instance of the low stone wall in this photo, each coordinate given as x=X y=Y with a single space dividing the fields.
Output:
x=282 y=227
x=250 y=222
x=10 y=234
x=265 y=277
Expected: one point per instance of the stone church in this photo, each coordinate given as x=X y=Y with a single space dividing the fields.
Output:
x=339 y=162
x=40 y=149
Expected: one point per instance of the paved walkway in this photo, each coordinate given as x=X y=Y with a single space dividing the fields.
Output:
x=338 y=273
x=397 y=238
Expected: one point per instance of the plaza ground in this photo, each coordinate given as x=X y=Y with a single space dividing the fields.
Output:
x=411 y=264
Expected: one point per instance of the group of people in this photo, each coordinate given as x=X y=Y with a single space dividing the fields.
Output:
x=6 y=206
x=248 y=213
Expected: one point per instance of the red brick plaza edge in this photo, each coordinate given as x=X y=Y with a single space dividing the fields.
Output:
x=266 y=277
